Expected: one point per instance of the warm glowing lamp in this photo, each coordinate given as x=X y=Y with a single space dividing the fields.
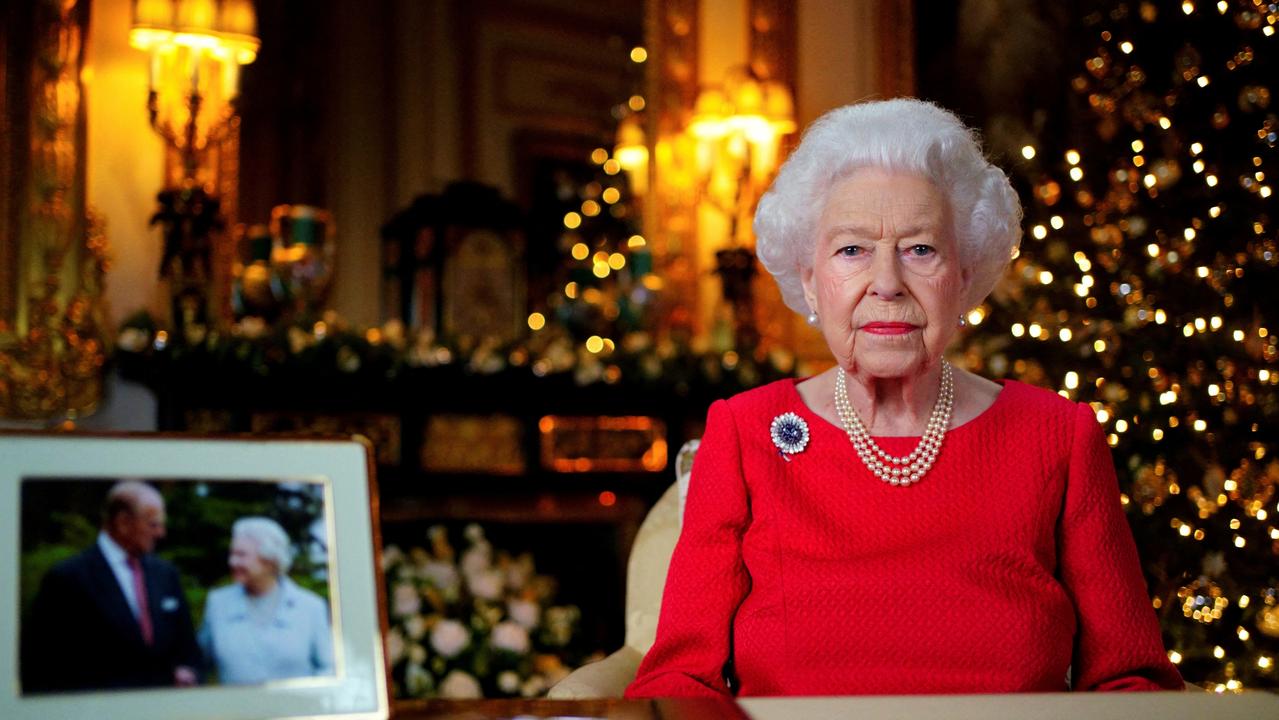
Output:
x=238 y=27
x=738 y=127
x=631 y=153
x=191 y=41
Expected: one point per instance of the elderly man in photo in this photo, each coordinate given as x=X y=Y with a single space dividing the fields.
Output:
x=113 y=616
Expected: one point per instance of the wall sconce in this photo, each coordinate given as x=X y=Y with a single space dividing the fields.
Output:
x=738 y=127
x=196 y=48
x=631 y=152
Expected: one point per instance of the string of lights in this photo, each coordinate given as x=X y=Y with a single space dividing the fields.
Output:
x=1146 y=287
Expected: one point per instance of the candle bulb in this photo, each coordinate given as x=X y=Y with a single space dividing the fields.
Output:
x=230 y=79
x=195 y=71
x=153 y=70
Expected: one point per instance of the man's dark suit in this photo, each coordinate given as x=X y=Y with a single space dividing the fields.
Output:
x=81 y=634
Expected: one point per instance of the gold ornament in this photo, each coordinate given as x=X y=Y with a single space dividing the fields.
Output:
x=1202 y=601
x=1268 y=620
x=1254 y=98
x=1150 y=486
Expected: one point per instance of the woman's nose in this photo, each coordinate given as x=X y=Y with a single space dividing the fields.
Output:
x=886 y=276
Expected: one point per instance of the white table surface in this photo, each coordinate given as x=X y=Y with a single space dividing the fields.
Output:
x=1190 y=705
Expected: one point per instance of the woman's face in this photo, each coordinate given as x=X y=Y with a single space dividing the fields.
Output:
x=248 y=568
x=886 y=281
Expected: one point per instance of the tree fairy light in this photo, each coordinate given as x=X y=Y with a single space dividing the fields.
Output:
x=1152 y=205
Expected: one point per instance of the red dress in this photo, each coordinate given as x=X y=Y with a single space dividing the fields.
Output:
x=1009 y=562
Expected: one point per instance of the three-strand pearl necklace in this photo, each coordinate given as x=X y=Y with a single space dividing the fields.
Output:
x=890 y=468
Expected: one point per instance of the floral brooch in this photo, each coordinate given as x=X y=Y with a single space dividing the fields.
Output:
x=789 y=433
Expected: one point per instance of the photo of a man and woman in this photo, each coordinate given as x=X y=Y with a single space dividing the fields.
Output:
x=127 y=584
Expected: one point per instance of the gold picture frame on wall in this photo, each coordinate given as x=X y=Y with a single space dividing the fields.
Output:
x=52 y=251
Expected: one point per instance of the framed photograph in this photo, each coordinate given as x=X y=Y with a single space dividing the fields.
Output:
x=156 y=577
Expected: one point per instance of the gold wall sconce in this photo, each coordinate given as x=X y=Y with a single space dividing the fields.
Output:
x=738 y=126
x=196 y=49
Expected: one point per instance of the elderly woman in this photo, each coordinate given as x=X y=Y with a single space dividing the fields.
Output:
x=896 y=525
x=264 y=627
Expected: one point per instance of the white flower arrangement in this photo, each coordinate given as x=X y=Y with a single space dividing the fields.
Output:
x=476 y=624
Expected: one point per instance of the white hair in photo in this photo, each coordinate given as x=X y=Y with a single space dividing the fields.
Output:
x=900 y=134
x=270 y=539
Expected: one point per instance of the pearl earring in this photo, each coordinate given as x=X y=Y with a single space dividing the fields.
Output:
x=962 y=321
x=812 y=319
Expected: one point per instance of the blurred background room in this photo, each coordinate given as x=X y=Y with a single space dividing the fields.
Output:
x=509 y=242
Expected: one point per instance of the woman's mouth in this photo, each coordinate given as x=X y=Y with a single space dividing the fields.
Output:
x=889 y=328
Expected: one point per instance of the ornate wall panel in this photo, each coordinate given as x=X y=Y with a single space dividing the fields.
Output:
x=51 y=350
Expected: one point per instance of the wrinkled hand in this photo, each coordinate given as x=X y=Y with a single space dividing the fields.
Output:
x=184 y=676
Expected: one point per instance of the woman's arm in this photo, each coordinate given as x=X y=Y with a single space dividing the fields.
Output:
x=321 y=639
x=707 y=580
x=1117 y=640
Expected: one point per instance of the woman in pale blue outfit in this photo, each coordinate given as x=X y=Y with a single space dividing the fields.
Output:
x=264 y=627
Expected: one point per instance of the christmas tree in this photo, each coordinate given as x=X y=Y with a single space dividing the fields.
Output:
x=1147 y=286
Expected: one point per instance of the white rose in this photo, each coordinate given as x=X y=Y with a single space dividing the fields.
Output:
x=392 y=555
x=406 y=600
x=440 y=574
x=394 y=646
x=510 y=636
x=473 y=533
x=508 y=682
x=477 y=558
x=533 y=687
x=524 y=612
x=459 y=685
x=519 y=572
x=486 y=584
x=415 y=627
x=449 y=637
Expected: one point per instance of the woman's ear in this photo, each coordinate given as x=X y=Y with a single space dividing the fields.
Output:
x=810 y=292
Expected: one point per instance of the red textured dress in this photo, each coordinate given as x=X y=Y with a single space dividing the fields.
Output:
x=1009 y=564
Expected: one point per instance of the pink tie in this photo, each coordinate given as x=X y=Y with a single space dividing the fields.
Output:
x=140 y=592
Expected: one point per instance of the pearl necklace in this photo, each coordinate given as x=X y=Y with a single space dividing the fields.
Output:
x=890 y=468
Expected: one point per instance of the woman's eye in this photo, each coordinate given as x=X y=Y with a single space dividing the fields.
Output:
x=921 y=250
x=851 y=251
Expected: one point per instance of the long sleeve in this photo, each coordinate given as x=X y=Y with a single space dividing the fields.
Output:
x=1117 y=643
x=321 y=640
x=708 y=579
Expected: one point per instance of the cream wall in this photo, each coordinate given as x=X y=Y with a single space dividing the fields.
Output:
x=126 y=161
x=838 y=63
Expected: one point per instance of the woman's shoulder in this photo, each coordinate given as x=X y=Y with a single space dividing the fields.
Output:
x=1032 y=406
x=773 y=397
x=224 y=596
x=303 y=596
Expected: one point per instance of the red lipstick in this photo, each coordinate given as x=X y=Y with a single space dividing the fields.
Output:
x=889 y=328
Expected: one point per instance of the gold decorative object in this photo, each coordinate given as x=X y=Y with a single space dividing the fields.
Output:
x=474 y=444
x=303 y=251
x=603 y=444
x=382 y=430
x=1268 y=620
x=54 y=252
x=196 y=49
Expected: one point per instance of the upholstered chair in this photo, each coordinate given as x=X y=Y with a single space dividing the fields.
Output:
x=645 y=579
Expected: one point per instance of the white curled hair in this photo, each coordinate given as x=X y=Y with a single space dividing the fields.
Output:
x=900 y=134
x=271 y=540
